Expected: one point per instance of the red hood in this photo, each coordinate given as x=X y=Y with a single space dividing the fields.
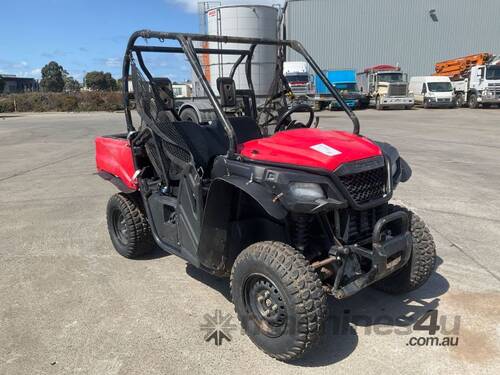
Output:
x=325 y=149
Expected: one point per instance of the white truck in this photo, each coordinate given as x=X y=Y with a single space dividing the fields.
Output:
x=433 y=91
x=475 y=79
x=298 y=78
x=386 y=86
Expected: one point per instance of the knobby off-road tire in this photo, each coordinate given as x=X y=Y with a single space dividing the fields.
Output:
x=274 y=278
x=421 y=263
x=128 y=227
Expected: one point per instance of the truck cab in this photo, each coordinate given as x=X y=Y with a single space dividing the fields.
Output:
x=345 y=82
x=431 y=91
x=386 y=86
x=297 y=76
x=484 y=85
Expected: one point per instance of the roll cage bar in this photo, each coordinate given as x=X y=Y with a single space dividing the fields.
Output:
x=186 y=46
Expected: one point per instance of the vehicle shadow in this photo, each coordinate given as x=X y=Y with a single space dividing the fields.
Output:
x=372 y=312
x=220 y=284
x=157 y=253
x=369 y=312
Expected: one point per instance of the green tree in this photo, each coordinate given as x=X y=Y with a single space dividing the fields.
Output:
x=119 y=84
x=53 y=77
x=100 y=81
x=71 y=84
x=2 y=84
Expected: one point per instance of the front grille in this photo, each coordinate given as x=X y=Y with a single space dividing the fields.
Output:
x=397 y=89
x=360 y=224
x=365 y=186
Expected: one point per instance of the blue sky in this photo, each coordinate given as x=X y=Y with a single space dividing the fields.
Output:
x=86 y=35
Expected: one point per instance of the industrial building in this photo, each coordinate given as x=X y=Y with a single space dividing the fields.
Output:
x=14 y=84
x=356 y=34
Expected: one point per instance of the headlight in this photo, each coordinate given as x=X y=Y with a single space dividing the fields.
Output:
x=306 y=191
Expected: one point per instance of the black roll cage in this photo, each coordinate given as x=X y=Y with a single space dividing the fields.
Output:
x=187 y=48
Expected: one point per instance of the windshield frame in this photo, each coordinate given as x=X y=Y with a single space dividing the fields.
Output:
x=380 y=74
x=439 y=83
x=495 y=69
x=349 y=86
x=293 y=77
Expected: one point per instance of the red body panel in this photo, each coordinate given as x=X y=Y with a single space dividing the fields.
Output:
x=114 y=156
x=330 y=148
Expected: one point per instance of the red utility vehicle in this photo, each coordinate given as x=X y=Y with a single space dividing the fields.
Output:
x=290 y=213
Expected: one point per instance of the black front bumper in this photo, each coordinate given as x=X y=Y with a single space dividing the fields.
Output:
x=388 y=253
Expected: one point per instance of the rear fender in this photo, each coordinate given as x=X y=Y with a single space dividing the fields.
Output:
x=217 y=249
x=115 y=163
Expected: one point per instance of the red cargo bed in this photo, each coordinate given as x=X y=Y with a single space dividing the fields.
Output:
x=114 y=161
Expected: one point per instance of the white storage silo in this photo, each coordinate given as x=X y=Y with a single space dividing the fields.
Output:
x=252 y=21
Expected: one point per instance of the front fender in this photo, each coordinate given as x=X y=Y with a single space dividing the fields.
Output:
x=404 y=172
x=213 y=252
x=255 y=190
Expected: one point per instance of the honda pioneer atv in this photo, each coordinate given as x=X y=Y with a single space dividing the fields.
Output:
x=290 y=213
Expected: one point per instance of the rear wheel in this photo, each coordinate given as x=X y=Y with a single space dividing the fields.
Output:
x=421 y=264
x=128 y=227
x=189 y=114
x=473 y=104
x=278 y=298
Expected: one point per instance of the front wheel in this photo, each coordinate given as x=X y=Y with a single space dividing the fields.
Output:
x=278 y=298
x=421 y=263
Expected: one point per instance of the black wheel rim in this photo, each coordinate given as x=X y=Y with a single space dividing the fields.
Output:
x=120 y=227
x=265 y=305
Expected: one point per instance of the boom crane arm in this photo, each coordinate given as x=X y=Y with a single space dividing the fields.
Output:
x=458 y=68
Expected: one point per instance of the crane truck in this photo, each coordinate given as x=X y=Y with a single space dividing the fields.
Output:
x=475 y=79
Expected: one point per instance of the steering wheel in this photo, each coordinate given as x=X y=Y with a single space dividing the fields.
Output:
x=282 y=125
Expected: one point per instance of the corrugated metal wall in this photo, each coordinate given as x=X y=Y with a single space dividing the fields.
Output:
x=342 y=34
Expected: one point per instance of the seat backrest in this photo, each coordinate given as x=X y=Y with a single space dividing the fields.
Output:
x=245 y=128
x=227 y=91
x=166 y=93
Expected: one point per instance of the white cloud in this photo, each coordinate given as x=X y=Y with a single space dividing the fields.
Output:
x=192 y=5
x=113 y=62
x=36 y=72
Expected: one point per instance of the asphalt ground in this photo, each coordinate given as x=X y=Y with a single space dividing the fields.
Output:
x=70 y=304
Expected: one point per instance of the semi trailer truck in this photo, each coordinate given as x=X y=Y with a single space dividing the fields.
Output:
x=475 y=79
x=386 y=86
